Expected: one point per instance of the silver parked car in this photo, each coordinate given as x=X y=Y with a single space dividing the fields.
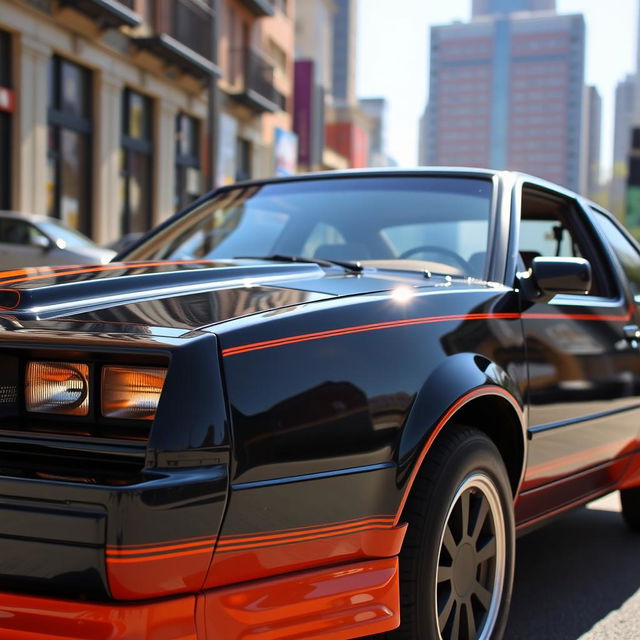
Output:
x=29 y=240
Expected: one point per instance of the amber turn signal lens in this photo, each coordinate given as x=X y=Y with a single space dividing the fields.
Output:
x=131 y=393
x=57 y=387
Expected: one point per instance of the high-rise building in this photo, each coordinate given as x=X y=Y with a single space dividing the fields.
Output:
x=506 y=91
x=344 y=53
x=591 y=139
x=376 y=109
x=347 y=130
x=489 y=7
x=624 y=110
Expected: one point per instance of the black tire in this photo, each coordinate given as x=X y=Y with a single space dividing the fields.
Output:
x=462 y=472
x=630 y=501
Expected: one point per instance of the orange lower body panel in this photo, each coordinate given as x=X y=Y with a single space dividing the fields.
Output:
x=344 y=602
x=33 y=618
x=338 y=603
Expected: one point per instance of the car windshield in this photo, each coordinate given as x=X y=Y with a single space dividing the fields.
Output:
x=418 y=223
x=72 y=239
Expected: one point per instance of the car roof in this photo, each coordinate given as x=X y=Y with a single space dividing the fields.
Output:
x=30 y=217
x=469 y=172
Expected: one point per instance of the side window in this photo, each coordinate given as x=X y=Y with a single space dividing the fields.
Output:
x=625 y=251
x=550 y=227
x=18 y=232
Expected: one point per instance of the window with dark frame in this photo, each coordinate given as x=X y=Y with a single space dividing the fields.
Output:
x=136 y=163
x=625 y=250
x=549 y=227
x=5 y=123
x=188 y=174
x=69 y=145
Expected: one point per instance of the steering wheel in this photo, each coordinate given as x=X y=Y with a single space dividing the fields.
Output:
x=446 y=253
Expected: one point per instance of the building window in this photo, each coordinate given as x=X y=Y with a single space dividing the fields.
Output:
x=6 y=107
x=188 y=176
x=243 y=159
x=69 y=149
x=135 y=162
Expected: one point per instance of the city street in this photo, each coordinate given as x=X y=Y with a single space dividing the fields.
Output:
x=578 y=578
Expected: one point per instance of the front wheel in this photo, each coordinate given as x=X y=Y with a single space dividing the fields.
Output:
x=456 y=566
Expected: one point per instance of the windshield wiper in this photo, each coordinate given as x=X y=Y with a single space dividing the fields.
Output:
x=354 y=267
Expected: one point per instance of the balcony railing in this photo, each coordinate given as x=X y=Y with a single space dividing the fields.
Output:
x=258 y=90
x=260 y=8
x=184 y=35
x=190 y=23
x=110 y=14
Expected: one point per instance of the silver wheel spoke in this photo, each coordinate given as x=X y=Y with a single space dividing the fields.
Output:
x=487 y=552
x=464 y=508
x=471 y=621
x=449 y=542
x=483 y=594
x=443 y=618
x=444 y=573
x=455 y=627
x=482 y=514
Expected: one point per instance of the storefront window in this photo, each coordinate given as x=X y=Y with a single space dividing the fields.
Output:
x=135 y=162
x=6 y=107
x=69 y=156
x=188 y=175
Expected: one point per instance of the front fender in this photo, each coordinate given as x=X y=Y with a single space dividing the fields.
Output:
x=457 y=380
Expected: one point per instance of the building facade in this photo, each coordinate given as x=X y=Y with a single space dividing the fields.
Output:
x=506 y=91
x=256 y=85
x=111 y=129
x=115 y=114
x=313 y=81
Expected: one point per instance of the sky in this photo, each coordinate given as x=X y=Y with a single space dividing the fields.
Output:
x=392 y=59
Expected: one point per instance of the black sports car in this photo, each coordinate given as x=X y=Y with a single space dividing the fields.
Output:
x=318 y=407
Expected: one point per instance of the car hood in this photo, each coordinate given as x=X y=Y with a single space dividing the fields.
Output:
x=175 y=296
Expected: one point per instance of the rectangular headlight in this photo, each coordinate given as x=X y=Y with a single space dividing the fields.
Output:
x=57 y=387
x=131 y=393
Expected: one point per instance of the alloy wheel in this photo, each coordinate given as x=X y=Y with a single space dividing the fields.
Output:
x=471 y=562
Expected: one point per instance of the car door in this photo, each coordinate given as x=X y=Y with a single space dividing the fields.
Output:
x=583 y=364
x=627 y=258
x=21 y=244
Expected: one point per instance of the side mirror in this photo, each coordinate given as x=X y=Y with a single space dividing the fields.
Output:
x=41 y=241
x=551 y=276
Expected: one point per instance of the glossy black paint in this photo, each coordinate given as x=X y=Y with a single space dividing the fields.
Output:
x=299 y=396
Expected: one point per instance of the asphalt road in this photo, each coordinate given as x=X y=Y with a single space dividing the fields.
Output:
x=578 y=578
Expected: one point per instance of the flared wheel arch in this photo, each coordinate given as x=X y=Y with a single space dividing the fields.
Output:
x=491 y=409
